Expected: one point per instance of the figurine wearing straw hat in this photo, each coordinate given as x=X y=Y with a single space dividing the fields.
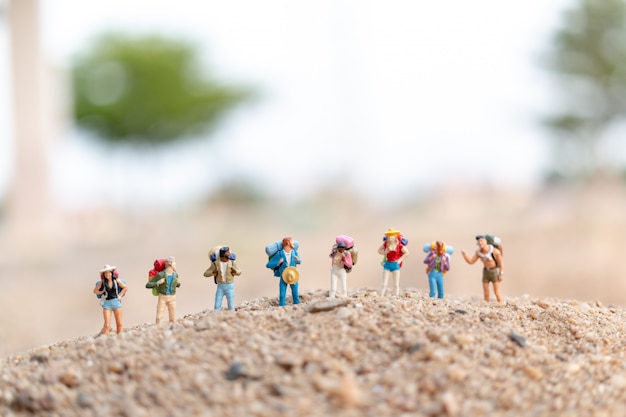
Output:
x=284 y=262
x=395 y=252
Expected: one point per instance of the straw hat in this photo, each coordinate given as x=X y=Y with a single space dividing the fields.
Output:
x=392 y=232
x=108 y=267
x=291 y=275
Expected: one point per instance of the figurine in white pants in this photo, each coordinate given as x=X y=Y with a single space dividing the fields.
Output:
x=340 y=260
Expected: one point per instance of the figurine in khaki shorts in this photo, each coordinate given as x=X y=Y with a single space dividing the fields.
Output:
x=491 y=257
x=395 y=252
x=166 y=283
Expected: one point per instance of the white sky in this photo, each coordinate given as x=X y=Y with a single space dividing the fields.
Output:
x=387 y=95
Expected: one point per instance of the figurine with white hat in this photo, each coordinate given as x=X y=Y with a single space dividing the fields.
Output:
x=110 y=289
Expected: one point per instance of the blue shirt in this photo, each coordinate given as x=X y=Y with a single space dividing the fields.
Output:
x=170 y=279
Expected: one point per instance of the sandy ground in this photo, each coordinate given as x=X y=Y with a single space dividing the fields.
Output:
x=564 y=243
x=360 y=356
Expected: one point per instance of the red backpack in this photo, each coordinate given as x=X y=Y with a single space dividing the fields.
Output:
x=159 y=265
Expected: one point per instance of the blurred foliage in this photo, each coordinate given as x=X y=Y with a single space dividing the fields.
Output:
x=589 y=58
x=148 y=89
x=239 y=192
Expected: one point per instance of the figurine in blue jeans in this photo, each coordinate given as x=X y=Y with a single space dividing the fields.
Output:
x=438 y=261
x=285 y=257
x=224 y=271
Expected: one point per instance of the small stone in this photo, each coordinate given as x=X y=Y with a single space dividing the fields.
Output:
x=519 y=339
x=533 y=372
x=70 y=379
x=326 y=305
x=235 y=371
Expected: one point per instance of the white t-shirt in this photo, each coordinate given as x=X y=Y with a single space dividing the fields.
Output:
x=223 y=266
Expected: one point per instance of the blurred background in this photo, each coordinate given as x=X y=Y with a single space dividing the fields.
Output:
x=131 y=131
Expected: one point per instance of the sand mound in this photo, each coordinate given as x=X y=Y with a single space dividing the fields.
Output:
x=360 y=356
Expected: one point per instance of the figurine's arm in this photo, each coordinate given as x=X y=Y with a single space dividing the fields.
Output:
x=405 y=253
x=382 y=250
x=274 y=261
x=469 y=260
x=445 y=263
x=155 y=281
x=234 y=269
x=347 y=259
x=297 y=255
x=211 y=271
x=498 y=255
x=429 y=257
x=123 y=286
x=97 y=290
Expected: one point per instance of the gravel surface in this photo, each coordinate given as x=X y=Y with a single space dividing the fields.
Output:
x=358 y=356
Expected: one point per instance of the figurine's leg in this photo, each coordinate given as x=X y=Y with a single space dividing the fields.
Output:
x=107 y=321
x=396 y=280
x=230 y=295
x=344 y=281
x=486 y=290
x=431 y=284
x=171 y=308
x=282 y=292
x=160 y=309
x=439 y=285
x=333 y=282
x=496 y=290
x=294 y=293
x=118 y=320
x=219 y=295
x=385 y=282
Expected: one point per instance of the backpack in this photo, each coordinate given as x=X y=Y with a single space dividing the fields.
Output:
x=349 y=242
x=272 y=248
x=158 y=266
x=116 y=276
x=213 y=253
x=431 y=246
x=495 y=241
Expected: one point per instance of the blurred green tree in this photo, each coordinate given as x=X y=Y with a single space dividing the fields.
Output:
x=589 y=57
x=148 y=89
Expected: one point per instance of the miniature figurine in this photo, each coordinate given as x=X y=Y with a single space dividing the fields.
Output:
x=166 y=282
x=110 y=289
x=491 y=257
x=341 y=261
x=223 y=269
x=438 y=261
x=286 y=256
x=395 y=252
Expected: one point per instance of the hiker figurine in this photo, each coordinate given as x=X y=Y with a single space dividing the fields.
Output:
x=284 y=263
x=438 y=263
x=223 y=269
x=110 y=289
x=340 y=260
x=394 y=251
x=491 y=257
x=166 y=282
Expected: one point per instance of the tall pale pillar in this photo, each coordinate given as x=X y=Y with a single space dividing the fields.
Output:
x=28 y=218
